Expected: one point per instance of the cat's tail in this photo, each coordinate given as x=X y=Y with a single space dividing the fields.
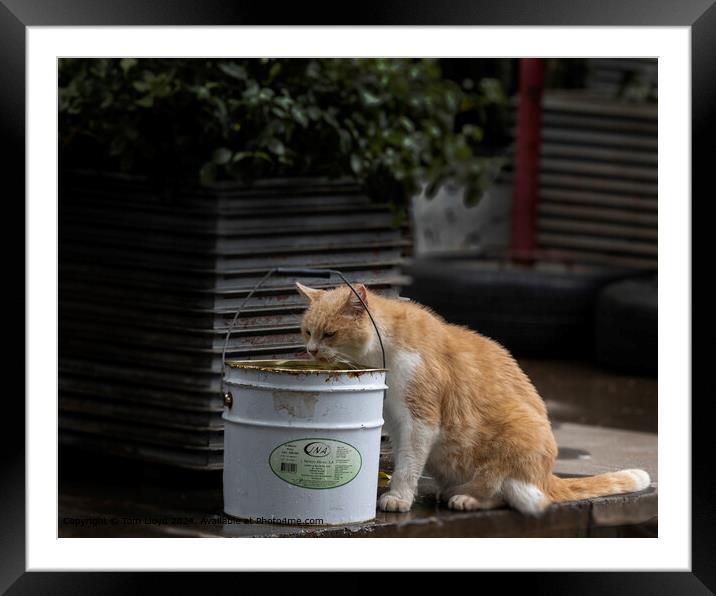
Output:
x=612 y=483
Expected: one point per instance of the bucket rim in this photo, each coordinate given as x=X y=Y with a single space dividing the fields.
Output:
x=276 y=366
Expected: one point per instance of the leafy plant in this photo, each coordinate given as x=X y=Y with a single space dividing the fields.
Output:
x=637 y=86
x=387 y=123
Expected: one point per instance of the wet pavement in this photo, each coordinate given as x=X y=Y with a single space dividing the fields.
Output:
x=125 y=498
x=579 y=391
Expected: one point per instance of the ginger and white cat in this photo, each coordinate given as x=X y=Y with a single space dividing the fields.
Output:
x=457 y=405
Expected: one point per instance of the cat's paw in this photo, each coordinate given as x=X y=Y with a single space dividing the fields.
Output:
x=464 y=503
x=392 y=502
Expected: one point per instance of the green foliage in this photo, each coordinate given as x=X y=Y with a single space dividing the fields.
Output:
x=639 y=87
x=387 y=123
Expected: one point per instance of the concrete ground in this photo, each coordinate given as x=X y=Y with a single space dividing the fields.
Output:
x=579 y=391
x=130 y=499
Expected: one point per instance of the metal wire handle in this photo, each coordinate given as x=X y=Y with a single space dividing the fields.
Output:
x=297 y=272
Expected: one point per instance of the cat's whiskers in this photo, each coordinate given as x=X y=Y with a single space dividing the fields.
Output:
x=343 y=359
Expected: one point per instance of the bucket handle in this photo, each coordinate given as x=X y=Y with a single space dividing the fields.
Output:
x=298 y=272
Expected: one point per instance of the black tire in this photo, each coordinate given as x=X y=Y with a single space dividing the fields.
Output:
x=626 y=325
x=531 y=311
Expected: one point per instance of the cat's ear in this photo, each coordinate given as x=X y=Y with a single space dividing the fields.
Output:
x=310 y=293
x=354 y=304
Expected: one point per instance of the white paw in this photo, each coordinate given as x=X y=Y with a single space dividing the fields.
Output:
x=392 y=502
x=463 y=503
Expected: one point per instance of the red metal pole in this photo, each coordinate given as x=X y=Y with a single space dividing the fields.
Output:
x=526 y=190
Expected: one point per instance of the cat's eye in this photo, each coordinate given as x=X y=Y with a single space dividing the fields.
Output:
x=329 y=333
x=307 y=332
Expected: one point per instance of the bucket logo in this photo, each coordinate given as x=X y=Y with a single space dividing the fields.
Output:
x=316 y=463
x=317 y=449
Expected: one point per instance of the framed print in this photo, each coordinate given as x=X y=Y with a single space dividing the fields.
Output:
x=292 y=277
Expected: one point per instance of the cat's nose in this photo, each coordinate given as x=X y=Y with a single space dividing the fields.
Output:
x=313 y=351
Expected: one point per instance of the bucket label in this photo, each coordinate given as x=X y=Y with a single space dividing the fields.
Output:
x=316 y=463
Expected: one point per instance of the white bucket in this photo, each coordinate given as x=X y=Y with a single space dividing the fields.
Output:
x=301 y=442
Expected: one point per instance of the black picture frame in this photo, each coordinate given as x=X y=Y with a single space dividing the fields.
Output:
x=16 y=15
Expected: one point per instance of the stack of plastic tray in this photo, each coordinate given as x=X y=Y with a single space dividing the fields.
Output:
x=149 y=284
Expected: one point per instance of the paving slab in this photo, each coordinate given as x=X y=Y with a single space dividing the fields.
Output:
x=589 y=450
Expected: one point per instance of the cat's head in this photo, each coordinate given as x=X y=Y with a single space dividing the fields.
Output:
x=335 y=326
